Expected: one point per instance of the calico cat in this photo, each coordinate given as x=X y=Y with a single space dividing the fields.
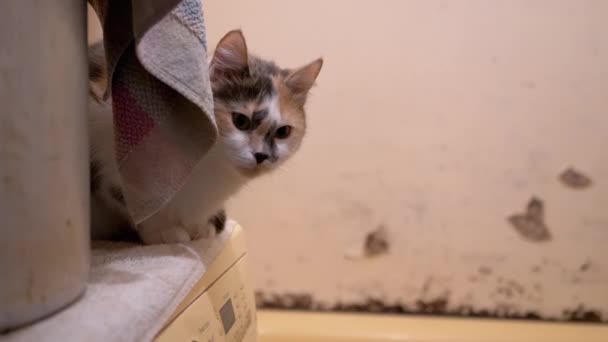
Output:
x=259 y=111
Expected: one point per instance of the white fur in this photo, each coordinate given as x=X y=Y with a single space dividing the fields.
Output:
x=274 y=111
x=187 y=215
x=102 y=148
x=211 y=183
x=237 y=146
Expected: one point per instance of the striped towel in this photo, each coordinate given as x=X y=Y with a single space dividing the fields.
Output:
x=156 y=55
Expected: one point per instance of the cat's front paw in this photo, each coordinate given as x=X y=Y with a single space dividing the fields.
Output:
x=213 y=227
x=205 y=231
x=175 y=234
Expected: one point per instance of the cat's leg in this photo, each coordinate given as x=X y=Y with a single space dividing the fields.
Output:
x=161 y=236
x=213 y=226
x=175 y=235
x=205 y=231
x=218 y=221
x=158 y=234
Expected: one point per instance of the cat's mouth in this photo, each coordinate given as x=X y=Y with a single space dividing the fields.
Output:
x=253 y=170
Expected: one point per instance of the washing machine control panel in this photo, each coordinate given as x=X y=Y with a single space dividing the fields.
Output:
x=234 y=306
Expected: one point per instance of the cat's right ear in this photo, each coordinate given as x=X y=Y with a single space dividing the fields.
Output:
x=230 y=55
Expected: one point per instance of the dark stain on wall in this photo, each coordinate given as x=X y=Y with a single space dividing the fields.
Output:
x=436 y=306
x=531 y=224
x=376 y=242
x=575 y=179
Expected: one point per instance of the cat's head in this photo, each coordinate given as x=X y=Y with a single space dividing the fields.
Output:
x=259 y=107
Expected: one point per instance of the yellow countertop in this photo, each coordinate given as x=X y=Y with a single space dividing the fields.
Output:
x=281 y=326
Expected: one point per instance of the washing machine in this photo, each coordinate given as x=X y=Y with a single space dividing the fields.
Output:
x=221 y=306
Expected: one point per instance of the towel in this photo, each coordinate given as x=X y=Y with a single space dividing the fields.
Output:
x=156 y=57
x=132 y=292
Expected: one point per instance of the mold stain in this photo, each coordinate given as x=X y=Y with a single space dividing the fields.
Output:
x=485 y=270
x=436 y=306
x=575 y=179
x=530 y=225
x=376 y=242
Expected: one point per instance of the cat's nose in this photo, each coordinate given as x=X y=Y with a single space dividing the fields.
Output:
x=260 y=157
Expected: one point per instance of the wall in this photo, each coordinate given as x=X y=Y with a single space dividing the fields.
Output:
x=437 y=120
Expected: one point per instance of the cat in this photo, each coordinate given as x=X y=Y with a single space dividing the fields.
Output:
x=259 y=111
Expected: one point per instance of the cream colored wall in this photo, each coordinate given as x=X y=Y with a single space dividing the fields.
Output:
x=437 y=119
x=93 y=26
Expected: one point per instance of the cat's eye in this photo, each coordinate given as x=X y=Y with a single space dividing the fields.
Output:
x=241 y=121
x=283 y=132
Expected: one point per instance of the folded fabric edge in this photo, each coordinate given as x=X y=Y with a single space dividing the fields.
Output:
x=185 y=288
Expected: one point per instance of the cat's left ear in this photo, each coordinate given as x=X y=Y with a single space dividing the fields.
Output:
x=302 y=79
x=230 y=55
